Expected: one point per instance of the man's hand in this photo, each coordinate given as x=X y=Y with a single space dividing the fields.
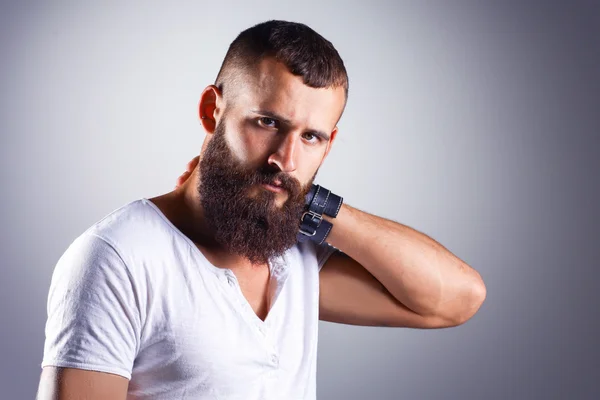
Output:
x=188 y=171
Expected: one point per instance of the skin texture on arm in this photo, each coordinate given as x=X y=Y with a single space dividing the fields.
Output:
x=349 y=294
x=74 y=384
x=392 y=275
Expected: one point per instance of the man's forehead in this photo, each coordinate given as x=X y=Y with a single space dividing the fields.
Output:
x=270 y=86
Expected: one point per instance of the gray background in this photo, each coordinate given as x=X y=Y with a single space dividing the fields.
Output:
x=475 y=123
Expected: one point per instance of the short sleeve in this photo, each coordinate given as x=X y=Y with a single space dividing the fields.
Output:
x=323 y=252
x=93 y=316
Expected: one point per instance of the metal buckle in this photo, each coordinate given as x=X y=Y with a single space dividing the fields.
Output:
x=314 y=216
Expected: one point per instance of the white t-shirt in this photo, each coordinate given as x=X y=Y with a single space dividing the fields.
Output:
x=135 y=297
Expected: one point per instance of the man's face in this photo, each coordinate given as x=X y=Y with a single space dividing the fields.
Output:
x=274 y=130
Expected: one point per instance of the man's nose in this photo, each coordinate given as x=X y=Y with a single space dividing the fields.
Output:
x=284 y=155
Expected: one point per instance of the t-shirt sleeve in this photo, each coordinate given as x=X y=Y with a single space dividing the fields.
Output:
x=323 y=251
x=93 y=315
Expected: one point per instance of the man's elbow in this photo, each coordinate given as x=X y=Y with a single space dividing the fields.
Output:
x=473 y=301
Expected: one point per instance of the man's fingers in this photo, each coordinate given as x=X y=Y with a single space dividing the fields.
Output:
x=182 y=178
x=192 y=164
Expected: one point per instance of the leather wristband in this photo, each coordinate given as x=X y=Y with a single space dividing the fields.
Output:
x=319 y=201
x=322 y=201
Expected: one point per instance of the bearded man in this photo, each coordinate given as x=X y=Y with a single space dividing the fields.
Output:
x=215 y=290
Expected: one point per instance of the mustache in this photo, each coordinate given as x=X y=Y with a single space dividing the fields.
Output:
x=277 y=178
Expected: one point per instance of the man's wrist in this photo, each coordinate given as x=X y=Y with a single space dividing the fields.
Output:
x=316 y=221
x=323 y=202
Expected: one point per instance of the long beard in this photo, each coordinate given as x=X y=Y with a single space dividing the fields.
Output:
x=253 y=227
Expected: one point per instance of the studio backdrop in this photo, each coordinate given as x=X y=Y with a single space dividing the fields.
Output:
x=476 y=123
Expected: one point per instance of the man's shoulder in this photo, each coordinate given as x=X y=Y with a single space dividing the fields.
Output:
x=134 y=226
x=123 y=221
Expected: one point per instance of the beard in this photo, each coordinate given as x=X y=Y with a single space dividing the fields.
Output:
x=253 y=227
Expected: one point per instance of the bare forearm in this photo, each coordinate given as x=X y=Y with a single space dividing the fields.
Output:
x=420 y=272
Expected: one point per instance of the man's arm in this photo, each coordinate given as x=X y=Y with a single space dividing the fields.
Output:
x=71 y=383
x=392 y=275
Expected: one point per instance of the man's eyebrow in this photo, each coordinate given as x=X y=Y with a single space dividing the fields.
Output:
x=271 y=114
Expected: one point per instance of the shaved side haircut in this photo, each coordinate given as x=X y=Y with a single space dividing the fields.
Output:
x=303 y=51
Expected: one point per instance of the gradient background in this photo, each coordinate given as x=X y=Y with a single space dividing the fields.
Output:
x=477 y=124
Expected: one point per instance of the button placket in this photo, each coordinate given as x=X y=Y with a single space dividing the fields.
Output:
x=245 y=307
x=275 y=360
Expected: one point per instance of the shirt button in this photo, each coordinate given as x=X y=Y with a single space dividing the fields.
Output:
x=275 y=360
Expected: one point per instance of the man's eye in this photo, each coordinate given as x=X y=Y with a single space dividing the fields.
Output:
x=268 y=122
x=311 y=137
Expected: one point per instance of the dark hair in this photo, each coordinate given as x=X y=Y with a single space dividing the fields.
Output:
x=302 y=50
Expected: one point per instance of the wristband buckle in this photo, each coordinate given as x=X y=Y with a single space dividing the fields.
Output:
x=315 y=217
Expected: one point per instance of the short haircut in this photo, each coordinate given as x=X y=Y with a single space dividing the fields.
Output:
x=302 y=50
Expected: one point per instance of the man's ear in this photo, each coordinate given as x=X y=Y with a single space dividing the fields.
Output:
x=210 y=107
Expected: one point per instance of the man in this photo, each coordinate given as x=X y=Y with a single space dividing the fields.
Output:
x=214 y=290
